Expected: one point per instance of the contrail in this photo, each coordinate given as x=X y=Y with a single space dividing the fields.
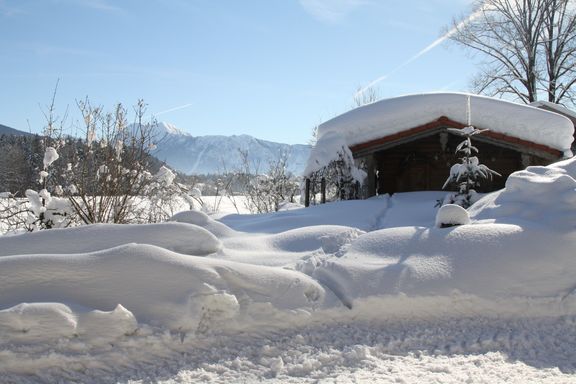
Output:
x=423 y=51
x=174 y=109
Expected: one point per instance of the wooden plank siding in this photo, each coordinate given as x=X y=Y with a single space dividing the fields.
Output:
x=420 y=158
x=423 y=165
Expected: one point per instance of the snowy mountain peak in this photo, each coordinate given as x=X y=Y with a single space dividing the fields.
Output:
x=170 y=129
x=216 y=153
x=213 y=154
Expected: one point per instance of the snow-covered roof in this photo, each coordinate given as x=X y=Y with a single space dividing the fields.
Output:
x=554 y=107
x=390 y=116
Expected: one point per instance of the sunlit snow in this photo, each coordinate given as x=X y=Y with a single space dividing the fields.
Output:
x=353 y=291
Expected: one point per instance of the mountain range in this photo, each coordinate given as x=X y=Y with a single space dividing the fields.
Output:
x=5 y=130
x=216 y=154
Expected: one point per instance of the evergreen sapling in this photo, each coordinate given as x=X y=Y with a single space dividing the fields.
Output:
x=469 y=173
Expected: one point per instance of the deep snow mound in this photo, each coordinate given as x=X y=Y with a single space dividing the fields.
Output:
x=328 y=238
x=541 y=195
x=157 y=286
x=490 y=261
x=203 y=220
x=178 y=237
x=289 y=249
x=43 y=322
x=450 y=215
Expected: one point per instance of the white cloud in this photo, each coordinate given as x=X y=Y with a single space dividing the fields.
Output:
x=331 y=11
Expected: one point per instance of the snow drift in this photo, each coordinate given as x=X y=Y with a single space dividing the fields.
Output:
x=157 y=286
x=106 y=296
x=179 y=237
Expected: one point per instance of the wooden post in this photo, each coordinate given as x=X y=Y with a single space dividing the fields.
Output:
x=307 y=193
x=323 y=190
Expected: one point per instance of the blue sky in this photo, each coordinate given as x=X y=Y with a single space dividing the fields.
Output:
x=269 y=68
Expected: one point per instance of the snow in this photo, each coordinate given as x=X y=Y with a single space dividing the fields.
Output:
x=50 y=156
x=353 y=291
x=540 y=195
x=165 y=176
x=163 y=128
x=554 y=107
x=180 y=237
x=451 y=214
x=390 y=116
x=220 y=154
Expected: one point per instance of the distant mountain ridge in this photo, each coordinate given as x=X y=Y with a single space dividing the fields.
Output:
x=5 y=130
x=216 y=154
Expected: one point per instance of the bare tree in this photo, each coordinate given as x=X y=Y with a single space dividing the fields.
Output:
x=111 y=171
x=559 y=45
x=265 y=192
x=365 y=95
x=527 y=47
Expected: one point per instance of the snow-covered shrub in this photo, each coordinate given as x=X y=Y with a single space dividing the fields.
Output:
x=265 y=192
x=44 y=211
x=469 y=173
x=341 y=176
x=105 y=177
x=165 y=196
x=109 y=175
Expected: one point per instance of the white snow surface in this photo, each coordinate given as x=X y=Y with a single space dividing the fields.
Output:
x=390 y=116
x=452 y=214
x=356 y=291
x=180 y=237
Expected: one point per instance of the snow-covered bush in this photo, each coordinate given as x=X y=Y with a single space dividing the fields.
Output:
x=165 y=196
x=109 y=172
x=265 y=192
x=341 y=176
x=469 y=173
x=44 y=211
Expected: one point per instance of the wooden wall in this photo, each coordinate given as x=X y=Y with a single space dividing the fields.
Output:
x=424 y=164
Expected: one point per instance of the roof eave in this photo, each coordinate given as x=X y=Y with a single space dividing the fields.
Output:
x=443 y=122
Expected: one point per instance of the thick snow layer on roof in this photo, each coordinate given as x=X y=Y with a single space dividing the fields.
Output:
x=390 y=116
x=554 y=107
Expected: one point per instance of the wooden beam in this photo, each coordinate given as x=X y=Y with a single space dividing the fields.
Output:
x=442 y=123
x=307 y=192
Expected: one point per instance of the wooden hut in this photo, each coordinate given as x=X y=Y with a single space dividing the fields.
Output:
x=404 y=143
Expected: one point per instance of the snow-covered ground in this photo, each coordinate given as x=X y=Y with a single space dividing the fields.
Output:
x=355 y=291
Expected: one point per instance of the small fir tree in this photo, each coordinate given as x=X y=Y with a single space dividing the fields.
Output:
x=469 y=173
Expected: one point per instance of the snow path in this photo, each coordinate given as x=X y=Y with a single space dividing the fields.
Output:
x=407 y=351
x=410 y=209
x=361 y=214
